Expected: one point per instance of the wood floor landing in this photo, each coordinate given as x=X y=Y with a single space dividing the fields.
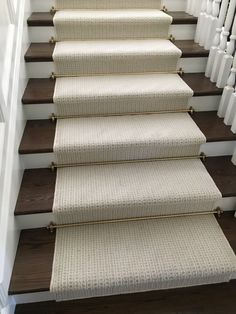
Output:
x=41 y=91
x=46 y=18
x=33 y=263
x=42 y=52
x=217 y=299
x=38 y=185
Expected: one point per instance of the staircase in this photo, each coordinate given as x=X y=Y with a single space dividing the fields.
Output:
x=127 y=163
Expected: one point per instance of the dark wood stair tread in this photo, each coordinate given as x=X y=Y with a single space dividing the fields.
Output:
x=201 y=85
x=41 y=91
x=46 y=18
x=38 y=136
x=213 y=127
x=217 y=299
x=42 y=52
x=33 y=263
x=38 y=185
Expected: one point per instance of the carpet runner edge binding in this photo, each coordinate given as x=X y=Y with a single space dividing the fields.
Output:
x=130 y=257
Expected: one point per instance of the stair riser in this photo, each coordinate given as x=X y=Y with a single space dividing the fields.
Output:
x=33 y=161
x=42 y=220
x=44 y=69
x=43 y=34
x=43 y=111
x=44 y=6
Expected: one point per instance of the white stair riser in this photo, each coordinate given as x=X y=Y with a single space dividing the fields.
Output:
x=32 y=161
x=43 y=111
x=43 y=34
x=45 y=5
x=44 y=69
x=42 y=220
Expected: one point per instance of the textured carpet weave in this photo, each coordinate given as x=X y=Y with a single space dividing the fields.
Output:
x=111 y=24
x=142 y=256
x=126 y=138
x=115 y=56
x=120 y=94
x=107 y=4
x=131 y=190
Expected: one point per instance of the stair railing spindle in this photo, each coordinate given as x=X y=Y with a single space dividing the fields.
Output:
x=227 y=61
x=228 y=91
x=216 y=40
x=205 y=22
x=200 y=21
x=224 y=40
x=212 y=21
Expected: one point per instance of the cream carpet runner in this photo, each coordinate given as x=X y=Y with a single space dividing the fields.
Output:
x=126 y=148
x=142 y=256
x=112 y=94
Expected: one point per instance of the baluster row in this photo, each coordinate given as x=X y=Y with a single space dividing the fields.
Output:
x=194 y=7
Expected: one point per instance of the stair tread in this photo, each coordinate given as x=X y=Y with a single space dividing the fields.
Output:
x=208 y=299
x=41 y=91
x=46 y=18
x=39 y=135
x=38 y=185
x=36 y=246
x=42 y=52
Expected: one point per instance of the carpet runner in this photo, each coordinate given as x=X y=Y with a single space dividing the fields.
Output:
x=108 y=24
x=113 y=57
x=107 y=4
x=92 y=193
x=127 y=137
x=110 y=94
x=140 y=256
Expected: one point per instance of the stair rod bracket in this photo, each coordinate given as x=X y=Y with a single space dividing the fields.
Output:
x=164 y=9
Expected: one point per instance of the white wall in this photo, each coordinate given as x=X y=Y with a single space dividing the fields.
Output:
x=14 y=40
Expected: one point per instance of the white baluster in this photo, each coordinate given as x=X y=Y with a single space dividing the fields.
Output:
x=192 y=7
x=223 y=44
x=216 y=41
x=234 y=160
x=212 y=24
x=188 y=8
x=233 y=129
x=231 y=110
x=206 y=23
x=228 y=92
x=227 y=59
x=200 y=21
x=197 y=9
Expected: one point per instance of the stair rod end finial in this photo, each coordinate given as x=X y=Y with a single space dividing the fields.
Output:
x=203 y=156
x=51 y=227
x=53 y=166
x=52 y=10
x=219 y=212
x=164 y=9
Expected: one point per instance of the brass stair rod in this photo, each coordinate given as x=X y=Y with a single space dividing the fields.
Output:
x=55 y=76
x=54 y=166
x=54 y=117
x=53 y=40
x=52 y=226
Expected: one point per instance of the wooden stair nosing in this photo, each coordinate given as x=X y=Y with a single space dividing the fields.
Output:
x=38 y=136
x=43 y=52
x=33 y=263
x=46 y=18
x=41 y=91
x=36 y=193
